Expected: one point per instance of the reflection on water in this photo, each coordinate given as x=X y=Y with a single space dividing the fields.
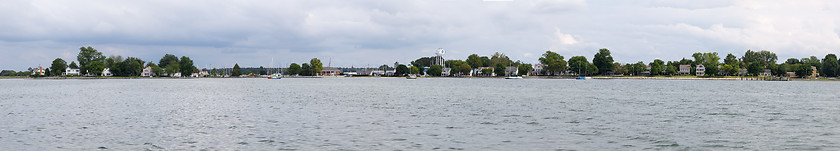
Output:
x=423 y=114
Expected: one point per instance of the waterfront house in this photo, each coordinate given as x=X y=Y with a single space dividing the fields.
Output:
x=445 y=72
x=147 y=72
x=39 y=71
x=814 y=72
x=766 y=73
x=71 y=71
x=203 y=73
x=480 y=72
x=330 y=71
x=646 y=72
x=107 y=72
x=791 y=74
x=538 y=69
x=511 y=71
x=700 y=70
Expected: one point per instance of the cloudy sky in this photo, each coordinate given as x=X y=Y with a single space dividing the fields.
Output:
x=361 y=33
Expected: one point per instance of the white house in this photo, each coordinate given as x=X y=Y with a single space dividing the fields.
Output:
x=147 y=72
x=107 y=72
x=71 y=71
x=445 y=72
x=511 y=71
x=177 y=74
x=700 y=70
x=538 y=68
x=685 y=69
x=40 y=71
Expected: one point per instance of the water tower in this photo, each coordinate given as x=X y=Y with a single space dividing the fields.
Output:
x=439 y=57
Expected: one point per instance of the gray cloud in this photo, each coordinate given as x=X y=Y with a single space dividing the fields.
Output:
x=359 y=33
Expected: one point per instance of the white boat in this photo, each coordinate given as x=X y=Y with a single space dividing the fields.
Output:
x=411 y=76
x=513 y=77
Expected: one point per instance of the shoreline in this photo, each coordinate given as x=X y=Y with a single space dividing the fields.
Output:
x=524 y=77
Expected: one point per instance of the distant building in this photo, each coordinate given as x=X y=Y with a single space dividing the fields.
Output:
x=147 y=72
x=330 y=71
x=814 y=72
x=37 y=71
x=71 y=71
x=685 y=69
x=107 y=72
x=700 y=70
x=480 y=72
x=538 y=69
x=446 y=72
x=177 y=74
x=766 y=73
x=742 y=71
x=511 y=71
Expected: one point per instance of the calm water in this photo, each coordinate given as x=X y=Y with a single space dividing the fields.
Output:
x=423 y=114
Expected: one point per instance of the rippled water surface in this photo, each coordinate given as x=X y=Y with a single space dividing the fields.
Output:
x=423 y=114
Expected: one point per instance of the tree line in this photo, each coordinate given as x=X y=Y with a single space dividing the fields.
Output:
x=93 y=63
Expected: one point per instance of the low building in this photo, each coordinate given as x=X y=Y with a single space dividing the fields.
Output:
x=37 y=71
x=147 y=72
x=177 y=74
x=511 y=71
x=766 y=73
x=107 y=72
x=685 y=69
x=71 y=72
x=538 y=69
x=700 y=70
x=446 y=72
x=814 y=72
x=330 y=71
x=480 y=71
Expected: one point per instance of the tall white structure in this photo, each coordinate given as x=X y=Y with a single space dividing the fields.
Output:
x=440 y=59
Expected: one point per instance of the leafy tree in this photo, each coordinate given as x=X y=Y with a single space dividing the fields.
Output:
x=554 y=63
x=780 y=69
x=187 y=67
x=485 y=61
x=671 y=70
x=729 y=69
x=58 y=66
x=604 y=61
x=524 y=69
x=262 y=71
x=154 y=67
x=656 y=67
x=235 y=72
x=414 y=70
x=763 y=57
x=294 y=69
x=581 y=65
x=168 y=58
x=711 y=69
x=474 y=61
x=435 y=70
x=464 y=69
x=316 y=66
x=500 y=58
x=792 y=61
x=486 y=72
x=90 y=60
x=639 y=67
x=802 y=70
x=129 y=67
x=731 y=60
x=499 y=70
x=423 y=62
x=753 y=68
x=830 y=67
x=73 y=65
x=173 y=67
x=214 y=72
x=306 y=69
x=402 y=69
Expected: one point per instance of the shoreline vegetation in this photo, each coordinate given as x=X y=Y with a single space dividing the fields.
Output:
x=753 y=65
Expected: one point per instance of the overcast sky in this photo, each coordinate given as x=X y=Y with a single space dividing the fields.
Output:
x=361 y=33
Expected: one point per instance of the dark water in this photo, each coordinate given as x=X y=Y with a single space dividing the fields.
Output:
x=423 y=114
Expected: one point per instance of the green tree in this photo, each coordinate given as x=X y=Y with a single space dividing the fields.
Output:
x=90 y=60
x=402 y=69
x=262 y=70
x=435 y=70
x=554 y=63
x=581 y=65
x=294 y=69
x=172 y=67
x=792 y=61
x=604 y=61
x=73 y=65
x=58 y=66
x=474 y=61
x=500 y=58
x=763 y=57
x=753 y=68
x=656 y=67
x=414 y=70
x=316 y=66
x=236 y=71
x=128 y=67
x=731 y=60
x=464 y=69
x=499 y=70
x=186 y=66
x=155 y=69
x=639 y=67
x=671 y=70
x=802 y=70
x=830 y=67
x=166 y=59
x=306 y=69
x=524 y=69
